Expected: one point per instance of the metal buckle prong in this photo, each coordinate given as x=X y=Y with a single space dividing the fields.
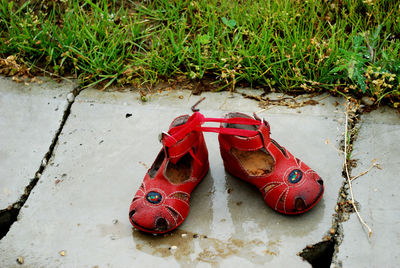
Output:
x=160 y=136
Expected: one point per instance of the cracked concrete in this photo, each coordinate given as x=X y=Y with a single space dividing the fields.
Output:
x=100 y=160
x=376 y=193
x=103 y=145
x=30 y=118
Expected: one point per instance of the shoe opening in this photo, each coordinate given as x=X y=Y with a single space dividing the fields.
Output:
x=181 y=171
x=256 y=163
x=157 y=164
x=239 y=126
x=279 y=147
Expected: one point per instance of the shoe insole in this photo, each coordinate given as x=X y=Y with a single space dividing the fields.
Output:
x=181 y=171
x=256 y=163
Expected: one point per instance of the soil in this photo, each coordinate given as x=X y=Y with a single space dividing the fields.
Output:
x=256 y=163
x=181 y=171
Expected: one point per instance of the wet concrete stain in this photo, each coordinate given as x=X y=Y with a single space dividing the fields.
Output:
x=191 y=248
x=115 y=231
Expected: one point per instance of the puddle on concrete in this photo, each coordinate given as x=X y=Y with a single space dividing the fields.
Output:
x=115 y=230
x=187 y=247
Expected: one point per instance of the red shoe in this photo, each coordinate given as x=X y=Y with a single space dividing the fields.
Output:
x=287 y=184
x=162 y=202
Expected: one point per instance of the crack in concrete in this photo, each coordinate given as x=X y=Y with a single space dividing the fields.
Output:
x=10 y=215
x=324 y=254
x=344 y=207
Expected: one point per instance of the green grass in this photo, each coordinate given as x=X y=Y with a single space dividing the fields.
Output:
x=348 y=47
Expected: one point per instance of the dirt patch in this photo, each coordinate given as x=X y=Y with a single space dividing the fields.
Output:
x=256 y=163
x=181 y=171
x=187 y=247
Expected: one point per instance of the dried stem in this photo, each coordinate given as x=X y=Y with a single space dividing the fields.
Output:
x=348 y=176
x=50 y=73
x=366 y=171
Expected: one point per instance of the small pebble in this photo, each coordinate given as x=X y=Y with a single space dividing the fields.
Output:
x=327 y=238
x=62 y=253
x=70 y=97
x=20 y=260
x=367 y=101
x=195 y=235
x=184 y=235
x=115 y=221
x=332 y=231
x=181 y=97
x=44 y=162
x=173 y=248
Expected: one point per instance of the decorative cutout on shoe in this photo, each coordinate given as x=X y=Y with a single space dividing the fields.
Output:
x=283 y=196
x=300 y=204
x=135 y=198
x=161 y=224
x=295 y=176
x=181 y=196
x=269 y=187
x=131 y=213
x=154 y=197
x=173 y=213
x=256 y=163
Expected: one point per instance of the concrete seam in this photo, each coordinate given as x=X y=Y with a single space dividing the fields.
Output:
x=10 y=214
x=343 y=207
x=334 y=236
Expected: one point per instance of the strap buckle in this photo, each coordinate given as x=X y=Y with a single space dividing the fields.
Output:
x=161 y=135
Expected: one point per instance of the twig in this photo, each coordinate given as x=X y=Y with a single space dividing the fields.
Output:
x=348 y=176
x=50 y=73
x=366 y=171
x=226 y=99
x=336 y=149
x=371 y=51
x=265 y=109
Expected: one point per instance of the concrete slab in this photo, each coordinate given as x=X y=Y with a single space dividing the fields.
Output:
x=80 y=205
x=377 y=192
x=29 y=117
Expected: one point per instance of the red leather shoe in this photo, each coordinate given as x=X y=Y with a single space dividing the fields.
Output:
x=162 y=202
x=287 y=184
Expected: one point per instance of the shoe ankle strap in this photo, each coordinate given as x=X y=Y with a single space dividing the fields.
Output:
x=197 y=119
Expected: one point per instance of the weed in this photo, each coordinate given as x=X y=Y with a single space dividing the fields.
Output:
x=346 y=47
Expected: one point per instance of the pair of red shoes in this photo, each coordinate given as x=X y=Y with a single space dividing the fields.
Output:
x=162 y=202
